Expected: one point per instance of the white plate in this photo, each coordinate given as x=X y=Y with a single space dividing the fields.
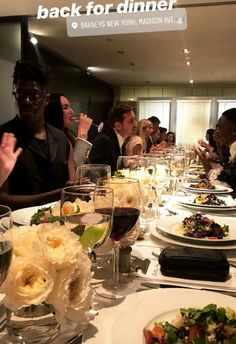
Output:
x=23 y=216
x=218 y=189
x=187 y=201
x=170 y=240
x=142 y=309
x=169 y=226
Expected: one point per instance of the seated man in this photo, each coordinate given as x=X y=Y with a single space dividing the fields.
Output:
x=108 y=146
x=43 y=167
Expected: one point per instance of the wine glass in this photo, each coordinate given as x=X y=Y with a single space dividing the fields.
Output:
x=126 y=213
x=6 y=248
x=87 y=210
x=90 y=173
x=98 y=126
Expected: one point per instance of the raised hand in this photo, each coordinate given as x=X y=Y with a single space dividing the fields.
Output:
x=8 y=155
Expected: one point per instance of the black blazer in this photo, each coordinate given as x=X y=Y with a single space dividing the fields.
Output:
x=149 y=145
x=39 y=168
x=106 y=150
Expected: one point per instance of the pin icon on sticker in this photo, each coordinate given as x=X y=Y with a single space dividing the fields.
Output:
x=74 y=25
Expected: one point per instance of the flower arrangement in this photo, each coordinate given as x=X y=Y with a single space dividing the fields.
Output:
x=49 y=266
x=232 y=152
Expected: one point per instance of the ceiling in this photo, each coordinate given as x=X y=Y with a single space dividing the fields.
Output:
x=155 y=58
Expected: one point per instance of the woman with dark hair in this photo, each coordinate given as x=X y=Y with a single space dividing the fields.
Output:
x=210 y=139
x=59 y=113
x=227 y=133
x=171 y=138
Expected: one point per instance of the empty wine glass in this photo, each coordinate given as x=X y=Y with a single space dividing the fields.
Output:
x=87 y=211
x=6 y=247
x=126 y=212
x=98 y=126
x=90 y=173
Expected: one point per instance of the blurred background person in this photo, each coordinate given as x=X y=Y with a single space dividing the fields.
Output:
x=152 y=140
x=170 y=138
x=137 y=144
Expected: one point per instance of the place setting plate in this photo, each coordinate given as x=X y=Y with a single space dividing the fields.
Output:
x=167 y=230
x=142 y=309
x=23 y=216
x=219 y=189
x=188 y=202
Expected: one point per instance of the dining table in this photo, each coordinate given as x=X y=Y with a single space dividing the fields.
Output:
x=147 y=291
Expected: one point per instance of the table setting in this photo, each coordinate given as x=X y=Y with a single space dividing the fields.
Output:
x=124 y=299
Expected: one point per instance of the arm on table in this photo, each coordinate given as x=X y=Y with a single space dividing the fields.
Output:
x=23 y=201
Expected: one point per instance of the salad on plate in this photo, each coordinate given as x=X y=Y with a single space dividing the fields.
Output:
x=209 y=325
x=208 y=199
x=200 y=226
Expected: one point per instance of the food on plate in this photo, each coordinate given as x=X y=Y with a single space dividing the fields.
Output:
x=209 y=199
x=203 y=185
x=44 y=215
x=200 y=226
x=209 y=325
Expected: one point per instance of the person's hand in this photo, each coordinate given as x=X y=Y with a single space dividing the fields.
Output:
x=204 y=159
x=157 y=148
x=85 y=123
x=205 y=145
x=8 y=155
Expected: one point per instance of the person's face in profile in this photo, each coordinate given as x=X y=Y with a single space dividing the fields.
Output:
x=31 y=100
x=129 y=123
x=67 y=111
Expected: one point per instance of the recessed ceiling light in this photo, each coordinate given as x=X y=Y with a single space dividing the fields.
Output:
x=191 y=81
x=186 y=51
x=188 y=63
x=34 y=40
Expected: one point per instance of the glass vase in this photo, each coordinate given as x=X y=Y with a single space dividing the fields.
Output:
x=33 y=324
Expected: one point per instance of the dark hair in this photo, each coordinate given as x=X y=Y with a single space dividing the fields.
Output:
x=53 y=113
x=171 y=132
x=27 y=70
x=230 y=115
x=116 y=114
x=211 y=140
x=154 y=120
x=162 y=130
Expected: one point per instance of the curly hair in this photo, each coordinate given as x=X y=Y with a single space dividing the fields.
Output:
x=27 y=70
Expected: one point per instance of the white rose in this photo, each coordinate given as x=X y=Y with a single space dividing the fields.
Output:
x=72 y=291
x=25 y=241
x=29 y=281
x=61 y=247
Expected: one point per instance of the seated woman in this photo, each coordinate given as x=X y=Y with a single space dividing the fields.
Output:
x=170 y=138
x=59 y=113
x=137 y=144
x=226 y=171
x=8 y=155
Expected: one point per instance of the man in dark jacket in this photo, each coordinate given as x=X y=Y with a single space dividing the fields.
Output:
x=108 y=146
x=42 y=168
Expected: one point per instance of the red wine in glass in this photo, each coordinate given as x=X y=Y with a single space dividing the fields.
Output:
x=124 y=218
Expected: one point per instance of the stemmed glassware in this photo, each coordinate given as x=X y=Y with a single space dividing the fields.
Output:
x=90 y=173
x=126 y=212
x=152 y=173
x=85 y=211
x=6 y=247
